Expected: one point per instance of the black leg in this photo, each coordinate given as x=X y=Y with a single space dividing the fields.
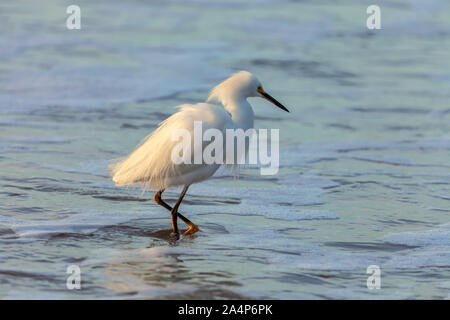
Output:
x=174 y=212
x=193 y=228
x=161 y=202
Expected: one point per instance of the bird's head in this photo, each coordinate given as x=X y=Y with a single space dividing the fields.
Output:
x=241 y=85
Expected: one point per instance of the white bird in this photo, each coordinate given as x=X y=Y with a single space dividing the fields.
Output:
x=151 y=163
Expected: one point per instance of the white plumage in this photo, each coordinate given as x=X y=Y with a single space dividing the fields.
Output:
x=151 y=162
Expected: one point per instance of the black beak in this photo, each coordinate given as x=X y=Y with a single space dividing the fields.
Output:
x=268 y=97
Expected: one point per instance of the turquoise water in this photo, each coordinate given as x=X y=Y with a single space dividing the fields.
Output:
x=364 y=153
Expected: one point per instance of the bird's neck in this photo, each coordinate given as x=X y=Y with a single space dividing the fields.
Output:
x=241 y=112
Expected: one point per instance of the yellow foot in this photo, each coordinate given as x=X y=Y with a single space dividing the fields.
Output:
x=192 y=229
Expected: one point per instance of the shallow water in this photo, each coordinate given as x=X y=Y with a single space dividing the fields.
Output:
x=365 y=151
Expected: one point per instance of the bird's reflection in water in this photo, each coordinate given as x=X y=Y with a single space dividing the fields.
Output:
x=162 y=271
x=150 y=271
x=165 y=235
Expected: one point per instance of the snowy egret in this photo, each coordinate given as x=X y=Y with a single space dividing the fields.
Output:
x=151 y=163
